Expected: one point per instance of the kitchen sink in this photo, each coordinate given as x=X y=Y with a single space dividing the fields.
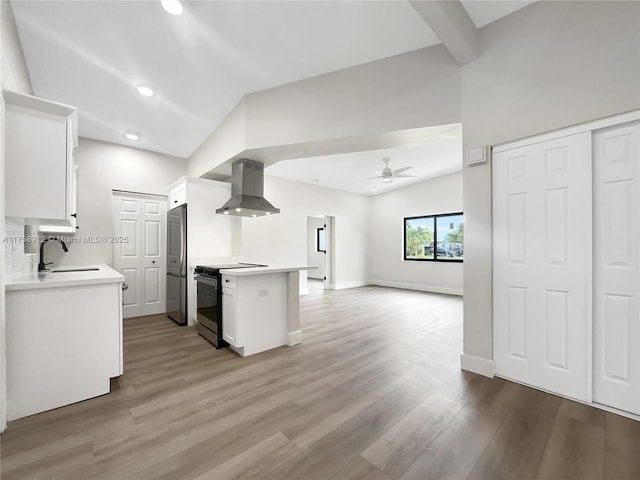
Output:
x=75 y=270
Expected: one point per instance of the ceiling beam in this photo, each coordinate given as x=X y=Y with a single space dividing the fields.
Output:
x=451 y=23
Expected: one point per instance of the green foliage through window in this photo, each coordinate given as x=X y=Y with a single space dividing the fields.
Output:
x=434 y=237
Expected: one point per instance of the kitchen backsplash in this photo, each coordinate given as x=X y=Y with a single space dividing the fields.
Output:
x=16 y=260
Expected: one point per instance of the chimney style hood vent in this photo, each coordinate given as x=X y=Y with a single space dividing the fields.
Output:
x=247 y=190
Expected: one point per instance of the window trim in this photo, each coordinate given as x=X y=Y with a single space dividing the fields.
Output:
x=435 y=238
x=318 y=229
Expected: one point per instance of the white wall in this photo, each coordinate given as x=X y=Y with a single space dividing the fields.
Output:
x=225 y=142
x=385 y=255
x=313 y=256
x=101 y=168
x=415 y=89
x=13 y=76
x=282 y=238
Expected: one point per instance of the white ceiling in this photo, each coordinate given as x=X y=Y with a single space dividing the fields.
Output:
x=438 y=153
x=483 y=12
x=92 y=55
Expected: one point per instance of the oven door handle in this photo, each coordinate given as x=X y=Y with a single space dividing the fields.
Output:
x=212 y=282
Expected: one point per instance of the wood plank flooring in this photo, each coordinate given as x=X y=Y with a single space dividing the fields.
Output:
x=374 y=392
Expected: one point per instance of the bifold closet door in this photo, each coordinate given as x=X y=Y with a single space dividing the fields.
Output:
x=616 y=359
x=542 y=264
x=139 y=251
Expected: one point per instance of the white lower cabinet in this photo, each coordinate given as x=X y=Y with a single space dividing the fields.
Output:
x=63 y=345
x=230 y=316
x=566 y=256
x=254 y=312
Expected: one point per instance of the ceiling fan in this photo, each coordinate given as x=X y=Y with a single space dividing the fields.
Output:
x=388 y=175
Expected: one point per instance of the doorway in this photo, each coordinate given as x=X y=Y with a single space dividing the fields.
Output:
x=320 y=235
x=139 y=250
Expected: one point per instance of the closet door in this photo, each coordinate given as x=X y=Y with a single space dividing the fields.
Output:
x=542 y=264
x=616 y=361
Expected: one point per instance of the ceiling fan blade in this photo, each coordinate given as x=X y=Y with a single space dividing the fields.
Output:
x=400 y=170
x=372 y=178
x=404 y=176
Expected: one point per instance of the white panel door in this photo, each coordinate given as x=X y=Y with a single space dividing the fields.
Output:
x=616 y=362
x=542 y=264
x=154 y=217
x=127 y=257
x=141 y=219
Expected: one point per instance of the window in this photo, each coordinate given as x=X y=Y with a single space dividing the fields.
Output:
x=434 y=238
x=320 y=240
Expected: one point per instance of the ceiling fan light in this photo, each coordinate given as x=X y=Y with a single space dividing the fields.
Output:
x=387 y=179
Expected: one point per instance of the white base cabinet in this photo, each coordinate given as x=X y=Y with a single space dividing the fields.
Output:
x=63 y=345
x=254 y=310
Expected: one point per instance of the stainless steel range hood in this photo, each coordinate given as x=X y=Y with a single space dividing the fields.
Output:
x=247 y=190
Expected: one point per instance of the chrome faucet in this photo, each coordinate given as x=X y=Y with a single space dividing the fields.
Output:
x=42 y=267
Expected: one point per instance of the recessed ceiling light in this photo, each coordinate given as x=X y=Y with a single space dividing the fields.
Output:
x=132 y=135
x=374 y=189
x=145 y=90
x=254 y=215
x=267 y=213
x=238 y=209
x=226 y=212
x=174 y=7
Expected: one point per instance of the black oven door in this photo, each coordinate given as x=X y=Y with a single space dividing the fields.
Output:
x=207 y=303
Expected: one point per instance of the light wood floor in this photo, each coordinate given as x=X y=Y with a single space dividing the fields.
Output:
x=374 y=392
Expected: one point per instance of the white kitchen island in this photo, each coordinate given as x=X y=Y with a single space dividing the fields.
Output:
x=64 y=338
x=261 y=307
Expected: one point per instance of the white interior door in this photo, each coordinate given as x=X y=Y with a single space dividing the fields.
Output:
x=141 y=219
x=127 y=257
x=154 y=219
x=616 y=365
x=542 y=264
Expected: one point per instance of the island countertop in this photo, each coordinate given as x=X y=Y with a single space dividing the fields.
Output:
x=238 y=272
x=63 y=277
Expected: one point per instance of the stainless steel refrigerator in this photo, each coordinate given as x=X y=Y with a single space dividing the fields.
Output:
x=177 y=264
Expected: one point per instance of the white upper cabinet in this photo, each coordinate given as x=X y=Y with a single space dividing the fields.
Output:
x=178 y=196
x=39 y=140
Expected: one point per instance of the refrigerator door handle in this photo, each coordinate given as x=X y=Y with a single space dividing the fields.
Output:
x=183 y=242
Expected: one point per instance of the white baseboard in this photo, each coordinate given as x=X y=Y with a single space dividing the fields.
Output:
x=294 y=338
x=479 y=365
x=344 y=285
x=417 y=286
x=303 y=291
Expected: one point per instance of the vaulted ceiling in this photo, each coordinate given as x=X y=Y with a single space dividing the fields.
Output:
x=93 y=55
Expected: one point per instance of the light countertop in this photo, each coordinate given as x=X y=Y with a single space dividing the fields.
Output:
x=239 y=272
x=32 y=280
